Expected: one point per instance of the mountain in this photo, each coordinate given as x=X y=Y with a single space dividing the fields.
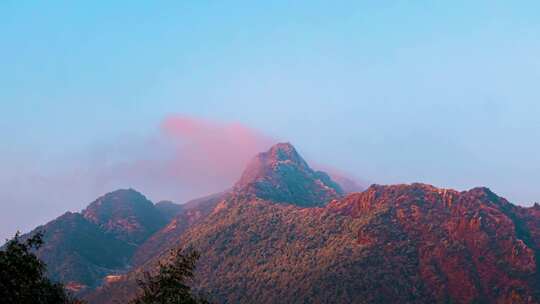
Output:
x=279 y=174
x=449 y=246
x=389 y=244
x=82 y=249
x=126 y=214
x=402 y=243
x=286 y=233
x=79 y=253
x=282 y=175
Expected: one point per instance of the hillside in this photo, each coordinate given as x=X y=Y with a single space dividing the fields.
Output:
x=125 y=214
x=81 y=249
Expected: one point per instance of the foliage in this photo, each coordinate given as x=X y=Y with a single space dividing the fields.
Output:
x=169 y=285
x=22 y=275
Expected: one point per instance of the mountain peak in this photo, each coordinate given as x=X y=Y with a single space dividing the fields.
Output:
x=282 y=175
x=125 y=213
x=285 y=151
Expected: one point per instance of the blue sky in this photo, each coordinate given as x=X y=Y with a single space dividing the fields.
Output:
x=442 y=92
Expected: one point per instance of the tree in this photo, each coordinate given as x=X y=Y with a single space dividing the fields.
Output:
x=169 y=284
x=22 y=275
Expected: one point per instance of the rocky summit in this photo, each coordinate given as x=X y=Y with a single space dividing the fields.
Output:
x=126 y=214
x=282 y=175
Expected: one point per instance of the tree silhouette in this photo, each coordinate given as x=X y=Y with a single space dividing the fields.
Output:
x=22 y=275
x=170 y=284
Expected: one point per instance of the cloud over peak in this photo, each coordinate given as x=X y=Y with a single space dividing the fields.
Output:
x=208 y=152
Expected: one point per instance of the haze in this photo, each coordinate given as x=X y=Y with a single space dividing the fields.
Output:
x=173 y=99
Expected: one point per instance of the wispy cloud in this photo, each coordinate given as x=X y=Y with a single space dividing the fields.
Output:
x=184 y=158
x=188 y=157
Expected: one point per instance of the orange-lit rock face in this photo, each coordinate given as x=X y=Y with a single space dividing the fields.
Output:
x=467 y=243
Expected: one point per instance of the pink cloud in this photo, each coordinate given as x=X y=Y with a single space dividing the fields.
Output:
x=207 y=151
x=189 y=157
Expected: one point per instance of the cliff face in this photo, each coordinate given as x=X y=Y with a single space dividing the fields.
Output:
x=466 y=246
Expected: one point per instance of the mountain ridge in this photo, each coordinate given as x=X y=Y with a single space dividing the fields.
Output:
x=391 y=243
x=286 y=232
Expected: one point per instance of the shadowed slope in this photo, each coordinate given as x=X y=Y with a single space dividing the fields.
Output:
x=126 y=214
x=81 y=249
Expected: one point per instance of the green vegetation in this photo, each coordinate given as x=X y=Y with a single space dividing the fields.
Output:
x=22 y=275
x=169 y=285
